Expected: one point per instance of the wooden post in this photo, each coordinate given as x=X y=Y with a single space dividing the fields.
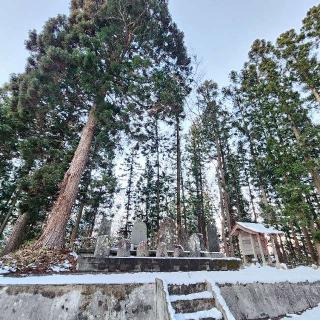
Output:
x=253 y=247
x=275 y=251
x=261 y=251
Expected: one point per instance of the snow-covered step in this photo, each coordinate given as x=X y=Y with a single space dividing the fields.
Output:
x=212 y=314
x=191 y=296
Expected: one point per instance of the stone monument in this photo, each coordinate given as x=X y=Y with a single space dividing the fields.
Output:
x=105 y=227
x=103 y=247
x=195 y=245
x=167 y=233
x=213 y=239
x=103 y=244
x=139 y=232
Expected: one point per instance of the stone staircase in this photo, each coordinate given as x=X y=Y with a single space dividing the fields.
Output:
x=193 y=302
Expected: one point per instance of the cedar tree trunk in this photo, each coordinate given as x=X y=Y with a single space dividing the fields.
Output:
x=179 y=224
x=53 y=235
x=17 y=235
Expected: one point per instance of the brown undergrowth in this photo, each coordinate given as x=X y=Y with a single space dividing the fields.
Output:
x=40 y=261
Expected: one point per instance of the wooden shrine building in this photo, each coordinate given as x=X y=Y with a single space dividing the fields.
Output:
x=253 y=241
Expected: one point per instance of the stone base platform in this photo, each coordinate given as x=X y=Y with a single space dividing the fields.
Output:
x=154 y=264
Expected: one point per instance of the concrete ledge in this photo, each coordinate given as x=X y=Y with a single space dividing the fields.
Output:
x=152 y=264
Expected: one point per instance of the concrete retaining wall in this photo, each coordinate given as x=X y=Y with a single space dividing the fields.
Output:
x=270 y=301
x=142 y=301
x=78 y=302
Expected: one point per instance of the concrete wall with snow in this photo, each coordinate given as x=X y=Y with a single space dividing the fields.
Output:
x=250 y=293
x=78 y=302
x=268 y=301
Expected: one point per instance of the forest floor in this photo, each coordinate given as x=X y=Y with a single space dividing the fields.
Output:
x=29 y=261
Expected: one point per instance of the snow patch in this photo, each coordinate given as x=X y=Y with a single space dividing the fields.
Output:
x=212 y=313
x=311 y=314
x=191 y=296
x=248 y=275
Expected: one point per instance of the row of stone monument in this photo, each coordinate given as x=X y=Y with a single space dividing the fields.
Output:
x=166 y=241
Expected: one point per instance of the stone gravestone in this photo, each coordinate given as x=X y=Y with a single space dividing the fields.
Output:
x=105 y=227
x=162 y=250
x=139 y=232
x=103 y=244
x=142 y=249
x=195 y=245
x=167 y=233
x=213 y=239
x=103 y=247
x=123 y=248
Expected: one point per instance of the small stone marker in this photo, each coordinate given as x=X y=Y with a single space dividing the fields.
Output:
x=123 y=248
x=178 y=251
x=195 y=245
x=103 y=247
x=213 y=239
x=139 y=232
x=105 y=227
x=167 y=233
x=162 y=250
x=142 y=249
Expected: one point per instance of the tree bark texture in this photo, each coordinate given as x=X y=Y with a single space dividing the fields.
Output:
x=8 y=214
x=309 y=244
x=53 y=235
x=18 y=234
x=179 y=220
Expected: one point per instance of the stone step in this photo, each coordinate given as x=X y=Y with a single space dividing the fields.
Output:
x=212 y=314
x=190 y=306
x=184 y=289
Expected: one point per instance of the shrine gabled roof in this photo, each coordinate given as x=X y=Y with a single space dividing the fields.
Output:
x=254 y=228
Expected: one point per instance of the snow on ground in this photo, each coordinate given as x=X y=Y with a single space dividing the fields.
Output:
x=312 y=314
x=247 y=275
